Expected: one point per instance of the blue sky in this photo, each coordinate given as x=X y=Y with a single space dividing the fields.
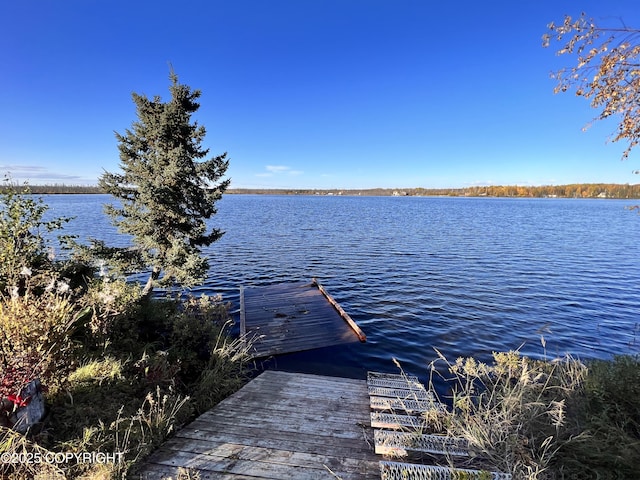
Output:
x=308 y=93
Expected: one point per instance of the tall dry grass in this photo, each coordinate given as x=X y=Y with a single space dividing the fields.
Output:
x=511 y=413
x=559 y=419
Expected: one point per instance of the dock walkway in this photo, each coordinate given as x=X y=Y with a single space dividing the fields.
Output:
x=279 y=426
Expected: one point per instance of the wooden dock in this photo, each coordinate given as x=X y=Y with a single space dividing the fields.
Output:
x=280 y=425
x=293 y=317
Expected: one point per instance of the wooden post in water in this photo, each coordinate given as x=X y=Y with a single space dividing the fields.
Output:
x=361 y=336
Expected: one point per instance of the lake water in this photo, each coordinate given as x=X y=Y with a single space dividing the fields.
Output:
x=467 y=276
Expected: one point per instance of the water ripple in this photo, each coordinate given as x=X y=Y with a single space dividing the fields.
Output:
x=466 y=276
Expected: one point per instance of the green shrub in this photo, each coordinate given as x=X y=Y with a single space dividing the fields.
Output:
x=24 y=250
x=606 y=421
x=122 y=365
x=115 y=314
x=101 y=370
x=105 y=417
x=225 y=372
x=38 y=313
x=613 y=389
x=36 y=339
x=156 y=369
x=197 y=325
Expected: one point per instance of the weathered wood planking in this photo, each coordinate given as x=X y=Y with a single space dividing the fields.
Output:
x=293 y=317
x=279 y=426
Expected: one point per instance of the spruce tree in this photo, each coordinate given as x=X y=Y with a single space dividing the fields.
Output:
x=167 y=190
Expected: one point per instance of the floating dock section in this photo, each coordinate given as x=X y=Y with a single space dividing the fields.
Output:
x=293 y=317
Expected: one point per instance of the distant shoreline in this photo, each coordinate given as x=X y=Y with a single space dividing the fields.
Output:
x=581 y=190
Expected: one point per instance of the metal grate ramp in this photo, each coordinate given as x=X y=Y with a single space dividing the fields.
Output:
x=397 y=421
x=392 y=379
x=400 y=444
x=397 y=386
x=406 y=405
x=399 y=404
x=401 y=393
x=406 y=471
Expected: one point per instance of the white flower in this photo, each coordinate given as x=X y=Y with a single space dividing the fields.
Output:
x=63 y=287
x=26 y=271
x=51 y=286
x=14 y=292
x=106 y=298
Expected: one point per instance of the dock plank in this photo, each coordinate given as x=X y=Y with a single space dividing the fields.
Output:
x=293 y=466
x=280 y=425
x=285 y=441
x=216 y=459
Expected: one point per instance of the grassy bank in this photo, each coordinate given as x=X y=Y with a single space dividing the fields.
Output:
x=543 y=420
x=121 y=375
x=120 y=371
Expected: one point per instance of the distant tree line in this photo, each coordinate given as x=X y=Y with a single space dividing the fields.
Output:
x=61 y=188
x=579 y=190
